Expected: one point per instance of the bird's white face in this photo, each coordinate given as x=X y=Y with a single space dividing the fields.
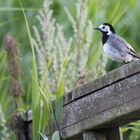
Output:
x=105 y=28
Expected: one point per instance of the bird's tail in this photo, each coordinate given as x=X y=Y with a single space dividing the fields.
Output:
x=135 y=56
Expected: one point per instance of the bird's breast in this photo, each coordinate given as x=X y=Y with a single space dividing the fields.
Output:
x=107 y=49
x=110 y=51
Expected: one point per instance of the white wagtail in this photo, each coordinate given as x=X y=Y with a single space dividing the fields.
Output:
x=114 y=46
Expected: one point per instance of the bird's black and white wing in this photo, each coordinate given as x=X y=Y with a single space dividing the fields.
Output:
x=122 y=46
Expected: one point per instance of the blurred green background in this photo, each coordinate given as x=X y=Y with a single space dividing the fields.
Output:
x=124 y=15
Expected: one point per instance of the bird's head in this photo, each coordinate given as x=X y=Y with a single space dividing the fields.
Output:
x=106 y=28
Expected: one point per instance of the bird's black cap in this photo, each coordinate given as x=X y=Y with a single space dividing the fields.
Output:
x=111 y=27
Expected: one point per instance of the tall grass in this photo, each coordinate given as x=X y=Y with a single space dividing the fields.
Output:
x=36 y=99
x=6 y=101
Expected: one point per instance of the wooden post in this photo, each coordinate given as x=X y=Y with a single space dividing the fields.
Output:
x=112 y=133
x=106 y=134
x=93 y=135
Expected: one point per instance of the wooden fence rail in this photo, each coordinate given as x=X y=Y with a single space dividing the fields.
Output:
x=96 y=110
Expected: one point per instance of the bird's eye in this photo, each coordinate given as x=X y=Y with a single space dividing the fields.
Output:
x=103 y=27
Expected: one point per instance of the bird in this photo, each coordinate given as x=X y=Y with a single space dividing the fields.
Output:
x=114 y=46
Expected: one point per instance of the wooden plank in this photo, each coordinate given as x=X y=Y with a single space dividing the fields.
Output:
x=108 y=79
x=111 y=106
x=94 y=135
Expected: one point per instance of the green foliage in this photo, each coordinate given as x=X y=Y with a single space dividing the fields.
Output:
x=59 y=102
x=131 y=131
x=4 y=129
x=56 y=136
x=6 y=101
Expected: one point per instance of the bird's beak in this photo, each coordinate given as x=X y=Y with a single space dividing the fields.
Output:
x=96 y=29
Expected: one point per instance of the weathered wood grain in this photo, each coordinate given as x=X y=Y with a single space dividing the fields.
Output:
x=113 y=76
